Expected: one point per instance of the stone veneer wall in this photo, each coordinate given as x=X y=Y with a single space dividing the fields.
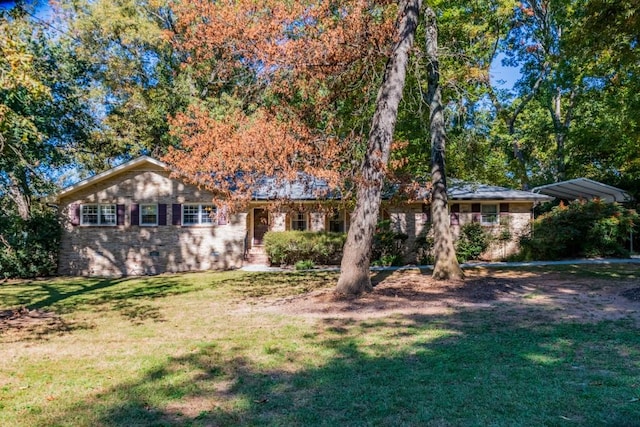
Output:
x=137 y=250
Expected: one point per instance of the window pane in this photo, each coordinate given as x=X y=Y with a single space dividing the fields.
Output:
x=90 y=214
x=107 y=214
x=207 y=214
x=336 y=222
x=489 y=214
x=299 y=221
x=148 y=214
x=190 y=214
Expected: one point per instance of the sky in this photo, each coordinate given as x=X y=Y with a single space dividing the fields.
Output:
x=503 y=77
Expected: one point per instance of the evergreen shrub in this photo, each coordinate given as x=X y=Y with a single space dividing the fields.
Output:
x=473 y=241
x=290 y=247
x=424 y=246
x=581 y=229
x=388 y=245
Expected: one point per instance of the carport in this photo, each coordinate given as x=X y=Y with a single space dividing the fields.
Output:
x=584 y=188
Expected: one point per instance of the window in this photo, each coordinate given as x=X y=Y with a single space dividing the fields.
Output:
x=98 y=215
x=489 y=214
x=299 y=221
x=198 y=214
x=148 y=214
x=337 y=222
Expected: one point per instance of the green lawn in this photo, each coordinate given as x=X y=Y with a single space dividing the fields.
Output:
x=200 y=349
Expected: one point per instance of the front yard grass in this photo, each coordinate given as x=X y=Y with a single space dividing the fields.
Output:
x=201 y=349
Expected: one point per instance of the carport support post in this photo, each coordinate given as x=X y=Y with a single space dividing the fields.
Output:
x=631 y=242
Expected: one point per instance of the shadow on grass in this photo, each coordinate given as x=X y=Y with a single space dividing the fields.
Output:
x=131 y=297
x=134 y=298
x=263 y=284
x=404 y=370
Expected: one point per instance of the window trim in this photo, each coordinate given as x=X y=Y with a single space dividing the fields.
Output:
x=140 y=215
x=292 y=220
x=200 y=213
x=495 y=215
x=99 y=214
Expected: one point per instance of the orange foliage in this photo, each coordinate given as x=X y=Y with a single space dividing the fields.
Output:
x=303 y=56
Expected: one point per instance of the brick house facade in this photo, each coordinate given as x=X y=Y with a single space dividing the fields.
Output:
x=136 y=220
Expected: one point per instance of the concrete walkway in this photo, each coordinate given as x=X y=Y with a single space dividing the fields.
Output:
x=604 y=261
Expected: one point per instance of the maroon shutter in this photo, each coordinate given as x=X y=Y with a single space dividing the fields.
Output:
x=222 y=216
x=176 y=214
x=74 y=213
x=135 y=214
x=162 y=214
x=504 y=208
x=455 y=207
x=120 y=211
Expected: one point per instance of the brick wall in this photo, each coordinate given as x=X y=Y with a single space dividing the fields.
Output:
x=412 y=219
x=134 y=250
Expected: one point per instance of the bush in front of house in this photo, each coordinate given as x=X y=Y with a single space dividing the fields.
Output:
x=472 y=242
x=290 y=247
x=424 y=246
x=29 y=248
x=581 y=228
x=388 y=245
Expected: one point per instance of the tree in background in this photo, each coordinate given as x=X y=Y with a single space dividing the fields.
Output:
x=43 y=117
x=135 y=77
x=43 y=121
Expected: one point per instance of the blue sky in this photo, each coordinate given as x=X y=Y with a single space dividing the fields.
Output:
x=503 y=77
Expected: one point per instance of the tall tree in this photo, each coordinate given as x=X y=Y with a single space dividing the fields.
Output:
x=296 y=73
x=135 y=77
x=446 y=264
x=42 y=113
x=354 y=268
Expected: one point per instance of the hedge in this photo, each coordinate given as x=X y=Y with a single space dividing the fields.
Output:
x=290 y=247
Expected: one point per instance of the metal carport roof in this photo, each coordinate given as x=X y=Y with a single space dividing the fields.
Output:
x=583 y=188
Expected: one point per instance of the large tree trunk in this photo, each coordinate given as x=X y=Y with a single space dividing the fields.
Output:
x=446 y=264
x=354 y=269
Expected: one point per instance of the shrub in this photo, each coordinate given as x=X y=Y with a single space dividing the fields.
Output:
x=582 y=228
x=29 y=248
x=305 y=265
x=473 y=241
x=289 y=247
x=424 y=246
x=388 y=245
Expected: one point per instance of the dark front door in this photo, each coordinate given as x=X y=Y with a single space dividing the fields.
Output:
x=260 y=225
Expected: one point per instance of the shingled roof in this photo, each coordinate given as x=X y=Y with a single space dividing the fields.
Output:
x=310 y=188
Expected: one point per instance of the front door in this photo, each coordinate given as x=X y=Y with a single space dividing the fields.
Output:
x=260 y=225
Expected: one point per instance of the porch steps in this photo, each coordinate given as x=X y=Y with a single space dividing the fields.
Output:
x=257 y=256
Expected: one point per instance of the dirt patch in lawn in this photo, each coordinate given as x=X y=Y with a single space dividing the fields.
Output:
x=552 y=295
x=25 y=323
